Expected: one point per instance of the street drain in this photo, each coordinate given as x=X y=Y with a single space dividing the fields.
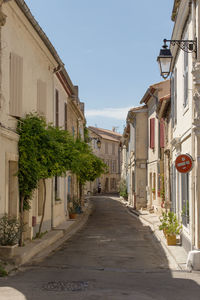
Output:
x=69 y=286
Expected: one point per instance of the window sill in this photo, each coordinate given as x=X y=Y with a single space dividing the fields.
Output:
x=57 y=202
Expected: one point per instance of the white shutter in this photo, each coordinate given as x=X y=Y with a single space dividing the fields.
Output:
x=16 y=84
x=41 y=97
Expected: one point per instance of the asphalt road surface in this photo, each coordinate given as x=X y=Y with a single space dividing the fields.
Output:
x=113 y=256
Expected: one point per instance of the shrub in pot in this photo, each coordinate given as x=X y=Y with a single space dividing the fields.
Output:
x=171 y=227
x=10 y=229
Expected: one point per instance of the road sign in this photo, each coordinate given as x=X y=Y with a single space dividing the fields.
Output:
x=183 y=163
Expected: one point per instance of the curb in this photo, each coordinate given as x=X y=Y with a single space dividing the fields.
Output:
x=155 y=231
x=38 y=249
x=159 y=239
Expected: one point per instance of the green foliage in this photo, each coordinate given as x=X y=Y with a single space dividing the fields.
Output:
x=162 y=193
x=85 y=164
x=170 y=223
x=74 y=206
x=39 y=236
x=44 y=152
x=123 y=189
x=86 y=135
x=10 y=229
x=31 y=130
x=3 y=272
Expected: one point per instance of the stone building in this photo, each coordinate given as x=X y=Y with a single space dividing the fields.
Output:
x=110 y=152
x=33 y=79
x=155 y=162
x=185 y=99
x=134 y=142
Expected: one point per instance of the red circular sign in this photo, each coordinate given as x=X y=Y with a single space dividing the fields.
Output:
x=183 y=163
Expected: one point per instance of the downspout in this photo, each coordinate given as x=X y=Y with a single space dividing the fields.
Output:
x=55 y=70
x=193 y=135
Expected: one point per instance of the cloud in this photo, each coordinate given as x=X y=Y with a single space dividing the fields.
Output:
x=115 y=113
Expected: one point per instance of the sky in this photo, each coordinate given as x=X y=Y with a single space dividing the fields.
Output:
x=109 y=48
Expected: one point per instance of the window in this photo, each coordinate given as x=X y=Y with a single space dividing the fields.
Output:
x=73 y=131
x=173 y=190
x=56 y=188
x=57 y=108
x=114 y=166
x=133 y=182
x=113 y=149
x=152 y=133
x=106 y=148
x=41 y=97
x=185 y=198
x=65 y=115
x=16 y=84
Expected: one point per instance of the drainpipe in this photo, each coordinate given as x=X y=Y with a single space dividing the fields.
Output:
x=193 y=172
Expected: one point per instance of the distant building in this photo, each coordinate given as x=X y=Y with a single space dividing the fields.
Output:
x=110 y=152
x=155 y=162
x=135 y=148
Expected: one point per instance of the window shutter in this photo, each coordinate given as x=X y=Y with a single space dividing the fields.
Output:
x=162 y=133
x=152 y=133
x=41 y=97
x=65 y=116
x=16 y=84
x=57 y=108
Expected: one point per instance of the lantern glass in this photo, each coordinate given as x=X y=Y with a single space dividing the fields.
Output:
x=98 y=144
x=164 y=61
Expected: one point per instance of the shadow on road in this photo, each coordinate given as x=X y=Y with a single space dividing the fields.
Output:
x=114 y=256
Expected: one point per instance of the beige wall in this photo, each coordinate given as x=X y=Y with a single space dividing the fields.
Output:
x=109 y=153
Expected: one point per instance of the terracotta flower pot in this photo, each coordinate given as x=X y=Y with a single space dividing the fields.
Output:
x=171 y=240
x=72 y=216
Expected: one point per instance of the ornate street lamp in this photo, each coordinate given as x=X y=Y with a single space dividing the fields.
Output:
x=98 y=143
x=165 y=57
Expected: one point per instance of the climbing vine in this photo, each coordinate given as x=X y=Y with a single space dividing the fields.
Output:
x=46 y=151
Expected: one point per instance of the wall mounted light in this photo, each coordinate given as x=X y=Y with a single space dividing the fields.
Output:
x=165 y=57
x=98 y=141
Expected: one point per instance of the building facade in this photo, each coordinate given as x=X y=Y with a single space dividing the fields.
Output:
x=110 y=153
x=33 y=79
x=155 y=162
x=185 y=121
x=134 y=142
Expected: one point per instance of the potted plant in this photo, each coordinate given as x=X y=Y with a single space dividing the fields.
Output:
x=74 y=208
x=123 y=190
x=171 y=227
x=164 y=222
x=10 y=229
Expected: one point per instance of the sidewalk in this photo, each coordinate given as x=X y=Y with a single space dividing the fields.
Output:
x=177 y=256
x=39 y=248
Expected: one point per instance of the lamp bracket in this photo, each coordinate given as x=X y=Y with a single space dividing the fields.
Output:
x=189 y=46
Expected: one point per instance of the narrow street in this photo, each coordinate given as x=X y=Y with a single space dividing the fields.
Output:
x=113 y=257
